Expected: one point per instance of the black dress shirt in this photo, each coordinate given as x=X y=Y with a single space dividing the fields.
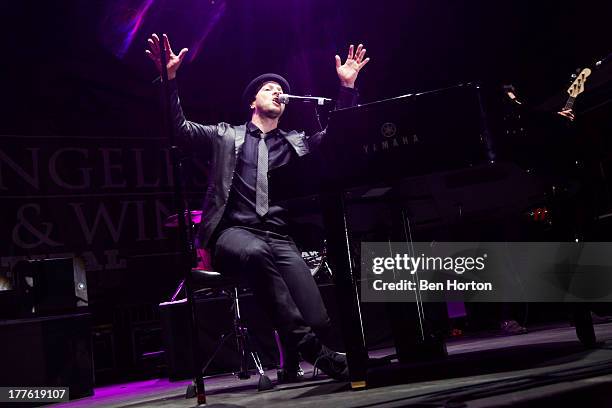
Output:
x=240 y=210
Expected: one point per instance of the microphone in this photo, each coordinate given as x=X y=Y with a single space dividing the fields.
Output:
x=286 y=98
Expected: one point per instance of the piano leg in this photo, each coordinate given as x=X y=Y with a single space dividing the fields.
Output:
x=347 y=296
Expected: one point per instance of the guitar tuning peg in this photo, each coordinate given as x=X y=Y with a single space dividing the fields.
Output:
x=574 y=76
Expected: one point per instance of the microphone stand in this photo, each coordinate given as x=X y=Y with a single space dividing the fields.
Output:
x=186 y=246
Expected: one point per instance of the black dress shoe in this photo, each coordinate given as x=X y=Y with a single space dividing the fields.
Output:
x=290 y=372
x=330 y=362
x=512 y=328
x=290 y=375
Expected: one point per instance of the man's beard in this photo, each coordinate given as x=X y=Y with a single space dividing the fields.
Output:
x=272 y=114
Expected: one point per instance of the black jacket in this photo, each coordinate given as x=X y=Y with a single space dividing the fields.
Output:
x=224 y=142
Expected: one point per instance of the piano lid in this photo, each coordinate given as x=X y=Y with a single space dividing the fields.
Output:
x=389 y=140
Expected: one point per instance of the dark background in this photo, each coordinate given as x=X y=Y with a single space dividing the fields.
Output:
x=77 y=68
x=68 y=67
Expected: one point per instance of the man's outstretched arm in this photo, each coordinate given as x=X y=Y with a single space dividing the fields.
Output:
x=347 y=74
x=184 y=129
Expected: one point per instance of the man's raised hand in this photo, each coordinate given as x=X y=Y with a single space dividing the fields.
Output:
x=173 y=61
x=347 y=72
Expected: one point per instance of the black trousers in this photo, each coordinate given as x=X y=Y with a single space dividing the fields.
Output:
x=280 y=279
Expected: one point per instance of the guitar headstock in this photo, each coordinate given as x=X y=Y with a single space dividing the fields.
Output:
x=577 y=87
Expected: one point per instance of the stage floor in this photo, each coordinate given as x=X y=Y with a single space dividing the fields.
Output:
x=546 y=366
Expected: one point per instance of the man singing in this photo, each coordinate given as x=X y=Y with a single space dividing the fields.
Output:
x=244 y=233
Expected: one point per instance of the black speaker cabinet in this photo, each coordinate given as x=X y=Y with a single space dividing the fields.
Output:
x=48 y=351
x=51 y=286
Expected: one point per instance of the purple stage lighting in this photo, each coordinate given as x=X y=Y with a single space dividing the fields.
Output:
x=216 y=14
x=122 y=23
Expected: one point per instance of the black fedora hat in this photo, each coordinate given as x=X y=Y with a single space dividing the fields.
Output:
x=253 y=87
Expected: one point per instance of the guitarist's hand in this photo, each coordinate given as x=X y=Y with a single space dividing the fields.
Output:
x=567 y=113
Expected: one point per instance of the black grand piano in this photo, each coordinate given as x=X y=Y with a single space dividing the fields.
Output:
x=381 y=144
